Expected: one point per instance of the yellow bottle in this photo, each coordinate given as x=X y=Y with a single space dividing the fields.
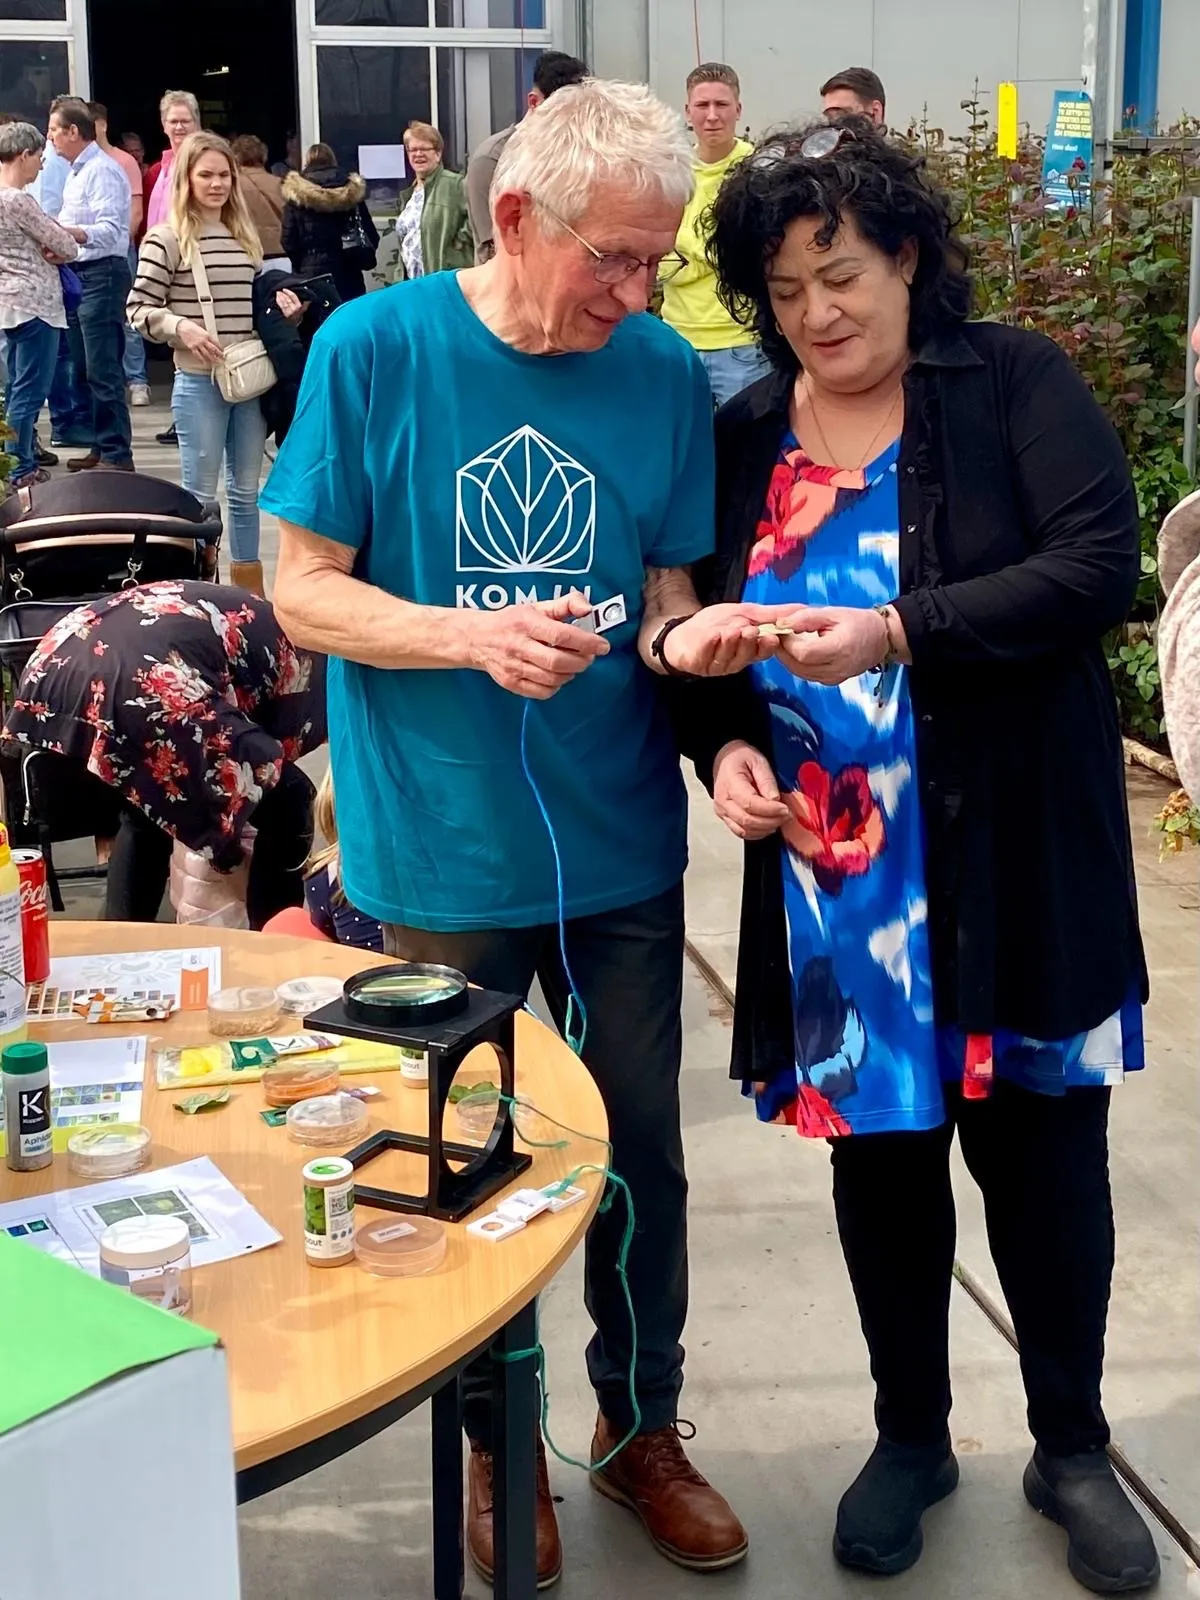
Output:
x=12 y=954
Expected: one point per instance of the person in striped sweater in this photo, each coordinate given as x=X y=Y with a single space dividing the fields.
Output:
x=208 y=215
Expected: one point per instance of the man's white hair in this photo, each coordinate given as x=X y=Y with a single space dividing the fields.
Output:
x=593 y=133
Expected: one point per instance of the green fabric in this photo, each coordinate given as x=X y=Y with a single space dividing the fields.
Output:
x=447 y=242
x=63 y=1332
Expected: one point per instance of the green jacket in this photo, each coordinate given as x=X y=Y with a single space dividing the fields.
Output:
x=447 y=242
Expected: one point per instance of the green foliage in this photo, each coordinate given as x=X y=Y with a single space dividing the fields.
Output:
x=1179 y=824
x=1107 y=280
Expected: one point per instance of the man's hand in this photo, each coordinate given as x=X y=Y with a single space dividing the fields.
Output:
x=199 y=341
x=78 y=234
x=833 y=644
x=745 y=793
x=530 y=649
x=722 y=639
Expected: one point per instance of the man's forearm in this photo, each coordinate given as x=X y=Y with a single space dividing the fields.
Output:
x=332 y=612
x=668 y=592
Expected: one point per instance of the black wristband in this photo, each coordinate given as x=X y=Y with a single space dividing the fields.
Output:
x=656 y=649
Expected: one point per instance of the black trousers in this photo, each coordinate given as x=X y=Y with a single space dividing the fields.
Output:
x=628 y=965
x=140 y=863
x=1041 y=1163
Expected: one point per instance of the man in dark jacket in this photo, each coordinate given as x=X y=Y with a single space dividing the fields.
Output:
x=326 y=226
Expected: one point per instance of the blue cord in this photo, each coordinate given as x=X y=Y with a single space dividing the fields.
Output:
x=576 y=1018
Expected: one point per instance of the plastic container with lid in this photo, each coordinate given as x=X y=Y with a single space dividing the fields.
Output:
x=287 y=1081
x=328 y=1211
x=330 y=1119
x=299 y=996
x=110 y=1151
x=391 y=1248
x=152 y=1258
x=242 y=1013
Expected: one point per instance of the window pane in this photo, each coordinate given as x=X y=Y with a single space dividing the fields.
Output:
x=479 y=92
x=370 y=13
x=31 y=74
x=368 y=94
x=33 y=10
x=490 y=13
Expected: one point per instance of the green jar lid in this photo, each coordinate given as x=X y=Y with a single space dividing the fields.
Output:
x=30 y=1056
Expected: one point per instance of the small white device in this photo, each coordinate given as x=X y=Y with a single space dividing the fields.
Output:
x=602 y=618
x=494 y=1227
x=523 y=1206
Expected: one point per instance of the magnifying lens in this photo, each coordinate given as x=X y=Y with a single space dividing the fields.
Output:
x=399 y=997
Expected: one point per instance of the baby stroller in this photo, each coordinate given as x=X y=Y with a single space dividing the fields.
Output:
x=62 y=543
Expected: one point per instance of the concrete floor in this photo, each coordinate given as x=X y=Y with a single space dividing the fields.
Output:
x=777 y=1378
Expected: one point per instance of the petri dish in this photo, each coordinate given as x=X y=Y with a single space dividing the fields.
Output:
x=110 y=1151
x=328 y=1119
x=299 y=996
x=242 y=1013
x=405 y=996
x=287 y=1082
x=391 y=1248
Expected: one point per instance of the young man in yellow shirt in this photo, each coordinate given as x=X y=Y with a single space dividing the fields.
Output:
x=730 y=355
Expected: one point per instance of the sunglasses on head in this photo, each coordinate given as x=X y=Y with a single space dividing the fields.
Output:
x=816 y=147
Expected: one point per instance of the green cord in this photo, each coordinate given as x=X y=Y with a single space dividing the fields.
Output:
x=613 y=1183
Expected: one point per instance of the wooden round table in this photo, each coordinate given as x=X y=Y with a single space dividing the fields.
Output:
x=321 y=1359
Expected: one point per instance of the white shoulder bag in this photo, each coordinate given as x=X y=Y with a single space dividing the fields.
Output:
x=244 y=370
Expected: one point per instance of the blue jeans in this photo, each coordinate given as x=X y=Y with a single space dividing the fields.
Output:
x=211 y=430
x=731 y=371
x=629 y=967
x=70 y=408
x=134 y=359
x=32 y=353
x=97 y=342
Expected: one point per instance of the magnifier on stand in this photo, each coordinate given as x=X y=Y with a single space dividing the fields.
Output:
x=434 y=1009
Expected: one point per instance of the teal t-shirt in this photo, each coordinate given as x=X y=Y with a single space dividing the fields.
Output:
x=467 y=474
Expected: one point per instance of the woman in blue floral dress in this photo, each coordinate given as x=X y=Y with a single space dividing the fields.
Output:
x=939 y=930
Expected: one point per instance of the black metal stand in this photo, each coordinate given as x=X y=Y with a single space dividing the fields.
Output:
x=450 y=1194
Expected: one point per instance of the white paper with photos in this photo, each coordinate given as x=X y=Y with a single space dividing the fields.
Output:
x=68 y=1223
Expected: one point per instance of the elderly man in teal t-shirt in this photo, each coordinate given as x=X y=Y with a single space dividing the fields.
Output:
x=478 y=458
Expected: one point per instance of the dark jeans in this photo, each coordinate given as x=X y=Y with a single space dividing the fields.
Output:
x=628 y=965
x=70 y=407
x=140 y=863
x=97 y=347
x=32 y=353
x=1041 y=1162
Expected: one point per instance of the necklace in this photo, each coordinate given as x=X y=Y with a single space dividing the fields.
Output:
x=866 y=456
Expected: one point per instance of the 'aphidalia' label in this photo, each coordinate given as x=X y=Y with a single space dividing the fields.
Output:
x=34 y=1137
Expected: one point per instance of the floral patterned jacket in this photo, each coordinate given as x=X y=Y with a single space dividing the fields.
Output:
x=185 y=696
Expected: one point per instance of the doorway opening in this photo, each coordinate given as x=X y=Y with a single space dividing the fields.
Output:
x=238 y=57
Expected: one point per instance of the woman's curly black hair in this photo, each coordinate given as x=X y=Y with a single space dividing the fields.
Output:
x=882 y=186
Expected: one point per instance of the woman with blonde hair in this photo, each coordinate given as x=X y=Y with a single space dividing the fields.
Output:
x=209 y=224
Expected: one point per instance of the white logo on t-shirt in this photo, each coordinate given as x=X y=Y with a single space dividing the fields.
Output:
x=525 y=505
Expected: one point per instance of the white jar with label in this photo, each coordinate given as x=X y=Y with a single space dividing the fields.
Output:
x=152 y=1258
x=414 y=1066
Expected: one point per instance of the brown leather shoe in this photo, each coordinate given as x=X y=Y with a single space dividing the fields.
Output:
x=83 y=463
x=113 y=466
x=689 y=1522
x=479 y=1519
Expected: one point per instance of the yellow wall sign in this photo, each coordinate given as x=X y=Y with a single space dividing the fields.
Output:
x=1006 y=121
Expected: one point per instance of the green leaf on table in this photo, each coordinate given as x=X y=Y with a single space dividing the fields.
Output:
x=192 y=1103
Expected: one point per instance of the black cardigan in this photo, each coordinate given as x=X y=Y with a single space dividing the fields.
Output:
x=1018 y=551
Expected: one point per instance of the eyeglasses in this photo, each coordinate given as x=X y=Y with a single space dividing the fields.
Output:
x=613 y=266
x=816 y=147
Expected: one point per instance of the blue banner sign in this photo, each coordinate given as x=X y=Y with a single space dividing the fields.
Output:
x=1067 y=170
